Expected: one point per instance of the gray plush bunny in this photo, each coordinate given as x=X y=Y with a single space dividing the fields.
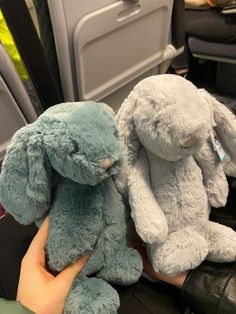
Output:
x=80 y=142
x=174 y=174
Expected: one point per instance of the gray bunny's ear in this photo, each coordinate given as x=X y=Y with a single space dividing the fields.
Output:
x=125 y=123
x=225 y=124
x=25 y=177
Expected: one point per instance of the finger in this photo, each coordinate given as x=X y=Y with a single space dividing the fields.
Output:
x=67 y=276
x=39 y=241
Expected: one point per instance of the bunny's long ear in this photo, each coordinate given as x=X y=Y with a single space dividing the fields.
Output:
x=125 y=122
x=25 y=177
x=225 y=122
x=149 y=219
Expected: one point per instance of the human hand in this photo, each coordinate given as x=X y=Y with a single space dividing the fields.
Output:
x=39 y=290
x=138 y=244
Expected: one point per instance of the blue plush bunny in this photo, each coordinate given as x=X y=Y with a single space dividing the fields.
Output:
x=80 y=142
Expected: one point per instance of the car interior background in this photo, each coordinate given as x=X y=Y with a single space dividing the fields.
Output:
x=56 y=40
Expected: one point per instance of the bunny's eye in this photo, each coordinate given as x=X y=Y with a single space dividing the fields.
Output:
x=156 y=124
x=115 y=132
x=75 y=147
x=153 y=103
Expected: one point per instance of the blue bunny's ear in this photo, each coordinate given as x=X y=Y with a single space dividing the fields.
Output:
x=25 y=178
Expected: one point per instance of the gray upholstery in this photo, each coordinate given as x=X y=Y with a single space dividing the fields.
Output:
x=213 y=50
x=211 y=34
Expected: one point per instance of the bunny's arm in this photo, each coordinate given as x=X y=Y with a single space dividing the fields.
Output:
x=229 y=167
x=120 y=180
x=213 y=175
x=150 y=222
x=75 y=222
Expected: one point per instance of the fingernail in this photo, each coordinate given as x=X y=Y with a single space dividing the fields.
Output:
x=83 y=259
x=87 y=253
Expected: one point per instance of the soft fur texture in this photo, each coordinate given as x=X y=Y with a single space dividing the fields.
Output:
x=80 y=142
x=173 y=173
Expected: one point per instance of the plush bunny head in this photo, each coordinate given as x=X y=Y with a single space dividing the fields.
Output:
x=168 y=115
x=78 y=140
x=81 y=141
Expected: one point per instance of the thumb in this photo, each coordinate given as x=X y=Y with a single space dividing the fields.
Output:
x=66 y=277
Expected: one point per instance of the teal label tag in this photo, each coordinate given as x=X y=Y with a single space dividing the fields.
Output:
x=217 y=145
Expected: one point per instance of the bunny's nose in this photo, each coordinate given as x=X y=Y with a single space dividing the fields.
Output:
x=191 y=142
x=107 y=163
